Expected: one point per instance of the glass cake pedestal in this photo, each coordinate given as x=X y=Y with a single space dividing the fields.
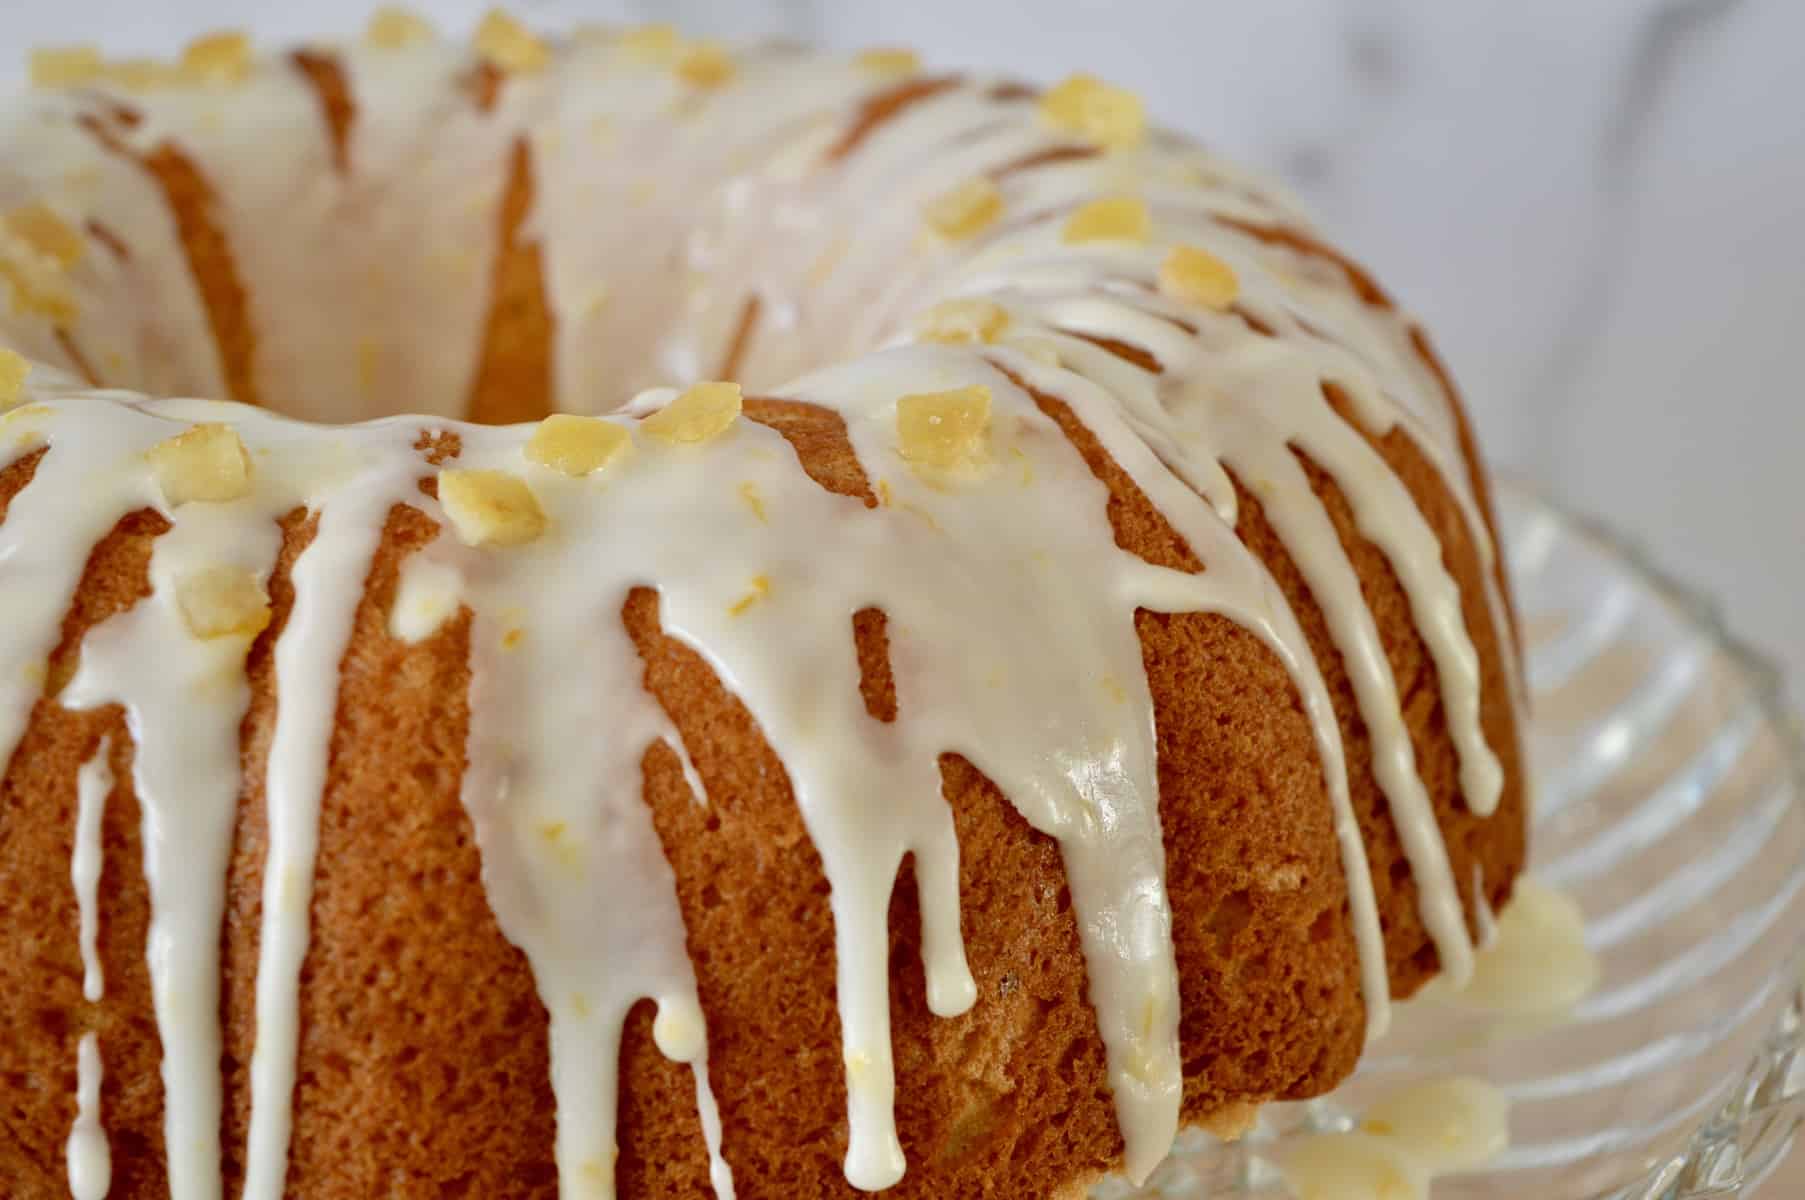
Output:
x=1669 y=802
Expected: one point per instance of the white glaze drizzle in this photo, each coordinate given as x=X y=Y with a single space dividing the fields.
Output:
x=93 y=784
x=970 y=577
x=89 y=1157
x=556 y=807
x=328 y=585
x=1485 y=919
x=184 y=701
x=1197 y=525
x=1244 y=404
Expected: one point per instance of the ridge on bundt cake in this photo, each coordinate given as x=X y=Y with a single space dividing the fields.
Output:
x=1060 y=690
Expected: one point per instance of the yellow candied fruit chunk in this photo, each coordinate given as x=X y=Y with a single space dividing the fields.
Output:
x=52 y=236
x=65 y=66
x=490 y=508
x=1195 y=276
x=1113 y=219
x=703 y=412
x=13 y=370
x=218 y=602
x=397 y=28
x=39 y=289
x=509 y=44
x=142 y=74
x=577 y=446
x=706 y=65
x=965 y=320
x=217 y=58
x=887 y=60
x=652 y=43
x=207 y=463
x=1098 y=112
x=965 y=210
x=944 y=429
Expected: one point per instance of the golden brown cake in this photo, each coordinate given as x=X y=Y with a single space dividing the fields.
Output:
x=1061 y=690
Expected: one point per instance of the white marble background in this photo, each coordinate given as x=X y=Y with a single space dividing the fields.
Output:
x=1597 y=205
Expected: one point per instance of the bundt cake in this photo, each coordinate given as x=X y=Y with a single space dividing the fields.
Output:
x=1060 y=690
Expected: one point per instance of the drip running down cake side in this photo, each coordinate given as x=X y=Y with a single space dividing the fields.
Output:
x=726 y=619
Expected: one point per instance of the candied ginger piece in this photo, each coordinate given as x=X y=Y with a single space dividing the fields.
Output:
x=65 y=66
x=1113 y=219
x=703 y=412
x=142 y=74
x=887 y=60
x=218 y=602
x=965 y=210
x=206 y=464
x=706 y=65
x=223 y=57
x=944 y=429
x=1195 y=276
x=397 y=28
x=965 y=320
x=510 y=45
x=577 y=446
x=1098 y=112
x=490 y=508
x=13 y=370
x=39 y=226
x=38 y=287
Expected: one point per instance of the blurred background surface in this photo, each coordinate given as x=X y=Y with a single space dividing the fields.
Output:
x=1598 y=206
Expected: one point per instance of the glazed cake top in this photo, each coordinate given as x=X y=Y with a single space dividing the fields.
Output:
x=937 y=260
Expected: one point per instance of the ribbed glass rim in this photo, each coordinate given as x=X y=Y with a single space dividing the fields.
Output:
x=1753 y=1118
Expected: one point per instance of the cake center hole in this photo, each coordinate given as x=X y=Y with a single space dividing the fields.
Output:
x=518 y=288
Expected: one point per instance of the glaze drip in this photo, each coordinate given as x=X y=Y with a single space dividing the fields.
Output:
x=93 y=786
x=90 y=1159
